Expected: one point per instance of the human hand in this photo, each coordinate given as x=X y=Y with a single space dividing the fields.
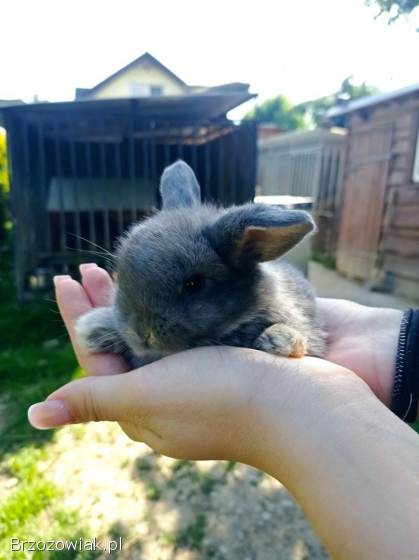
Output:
x=363 y=339
x=74 y=300
x=207 y=384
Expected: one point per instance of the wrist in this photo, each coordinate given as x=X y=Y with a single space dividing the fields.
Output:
x=294 y=409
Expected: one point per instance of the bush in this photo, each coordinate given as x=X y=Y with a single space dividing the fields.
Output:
x=4 y=188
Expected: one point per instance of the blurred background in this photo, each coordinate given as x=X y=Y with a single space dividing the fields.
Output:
x=303 y=105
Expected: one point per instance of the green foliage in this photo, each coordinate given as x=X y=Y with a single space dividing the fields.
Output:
x=153 y=492
x=316 y=109
x=325 y=260
x=280 y=111
x=24 y=464
x=190 y=536
x=393 y=9
x=230 y=466
x=4 y=188
x=143 y=465
x=4 y=176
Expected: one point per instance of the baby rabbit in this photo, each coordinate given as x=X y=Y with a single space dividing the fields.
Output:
x=197 y=275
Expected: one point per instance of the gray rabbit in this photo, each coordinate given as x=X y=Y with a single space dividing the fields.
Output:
x=197 y=275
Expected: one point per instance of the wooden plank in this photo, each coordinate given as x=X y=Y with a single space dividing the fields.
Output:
x=401 y=147
x=403 y=123
x=385 y=113
x=401 y=245
x=404 y=267
x=405 y=287
x=400 y=162
x=407 y=195
x=406 y=216
x=403 y=232
x=397 y=177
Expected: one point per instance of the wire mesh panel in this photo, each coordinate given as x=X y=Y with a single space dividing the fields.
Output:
x=80 y=179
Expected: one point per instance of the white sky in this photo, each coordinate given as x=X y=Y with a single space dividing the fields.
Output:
x=301 y=48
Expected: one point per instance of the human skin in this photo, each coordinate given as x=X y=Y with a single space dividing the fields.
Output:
x=312 y=424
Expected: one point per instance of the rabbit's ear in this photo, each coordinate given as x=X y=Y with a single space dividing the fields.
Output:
x=253 y=233
x=179 y=187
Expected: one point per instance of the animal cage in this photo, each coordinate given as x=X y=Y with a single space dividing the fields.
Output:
x=82 y=172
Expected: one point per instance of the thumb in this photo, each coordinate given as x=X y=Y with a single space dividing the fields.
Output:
x=113 y=397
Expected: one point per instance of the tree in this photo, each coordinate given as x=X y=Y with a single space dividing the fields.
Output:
x=316 y=109
x=280 y=111
x=394 y=8
x=286 y=116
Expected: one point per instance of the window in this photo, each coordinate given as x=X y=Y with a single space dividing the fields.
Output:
x=156 y=90
x=415 y=172
x=137 y=89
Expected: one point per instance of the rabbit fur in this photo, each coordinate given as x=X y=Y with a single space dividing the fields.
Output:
x=195 y=275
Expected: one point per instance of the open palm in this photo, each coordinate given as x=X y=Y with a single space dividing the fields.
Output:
x=362 y=339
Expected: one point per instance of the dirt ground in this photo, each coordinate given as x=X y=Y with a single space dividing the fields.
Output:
x=328 y=283
x=165 y=509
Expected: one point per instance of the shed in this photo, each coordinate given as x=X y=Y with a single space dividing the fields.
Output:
x=379 y=228
x=82 y=171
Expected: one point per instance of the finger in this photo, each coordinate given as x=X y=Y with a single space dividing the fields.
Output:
x=97 y=284
x=73 y=302
x=113 y=397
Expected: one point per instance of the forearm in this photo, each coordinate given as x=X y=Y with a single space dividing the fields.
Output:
x=352 y=466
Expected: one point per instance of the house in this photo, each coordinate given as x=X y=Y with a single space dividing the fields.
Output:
x=378 y=238
x=147 y=77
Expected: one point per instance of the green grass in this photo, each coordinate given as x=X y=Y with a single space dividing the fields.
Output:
x=35 y=358
x=190 y=536
x=33 y=510
x=325 y=260
x=153 y=492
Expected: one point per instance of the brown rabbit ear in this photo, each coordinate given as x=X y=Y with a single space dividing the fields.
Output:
x=255 y=233
x=179 y=187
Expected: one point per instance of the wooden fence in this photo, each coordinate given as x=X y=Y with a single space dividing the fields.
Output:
x=308 y=163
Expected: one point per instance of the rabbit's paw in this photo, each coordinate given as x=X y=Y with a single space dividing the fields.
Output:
x=95 y=331
x=283 y=340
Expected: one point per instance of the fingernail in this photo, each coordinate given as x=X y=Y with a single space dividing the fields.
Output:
x=57 y=279
x=83 y=267
x=48 y=414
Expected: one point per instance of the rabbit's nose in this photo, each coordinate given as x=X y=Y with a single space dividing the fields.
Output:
x=151 y=338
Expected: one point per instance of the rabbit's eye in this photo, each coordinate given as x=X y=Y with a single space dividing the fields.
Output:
x=193 y=284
